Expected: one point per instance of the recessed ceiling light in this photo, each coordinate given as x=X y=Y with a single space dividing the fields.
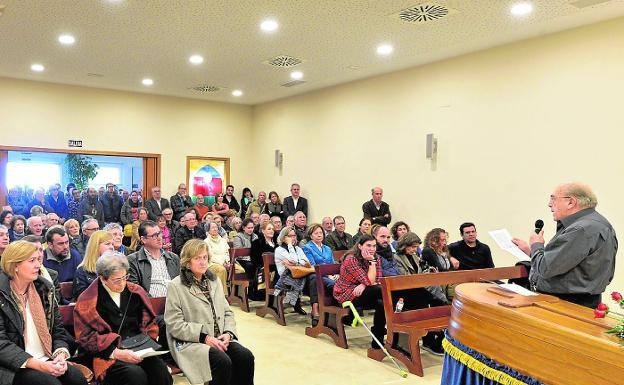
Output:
x=269 y=25
x=237 y=93
x=147 y=82
x=196 y=59
x=521 y=9
x=384 y=49
x=66 y=39
x=37 y=67
x=296 y=75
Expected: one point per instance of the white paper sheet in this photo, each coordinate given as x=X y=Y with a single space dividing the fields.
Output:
x=503 y=240
x=149 y=352
x=517 y=289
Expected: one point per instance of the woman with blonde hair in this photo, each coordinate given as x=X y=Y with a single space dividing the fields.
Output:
x=100 y=242
x=201 y=324
x=34 y=346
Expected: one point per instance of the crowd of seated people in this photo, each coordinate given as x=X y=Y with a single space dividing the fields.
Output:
x=121 y=249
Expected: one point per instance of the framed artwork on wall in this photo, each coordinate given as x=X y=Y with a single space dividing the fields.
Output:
x=207 y=176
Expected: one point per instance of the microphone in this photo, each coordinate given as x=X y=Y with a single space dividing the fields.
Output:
x=539 y=225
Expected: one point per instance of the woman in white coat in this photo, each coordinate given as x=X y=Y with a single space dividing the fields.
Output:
x=201 y=330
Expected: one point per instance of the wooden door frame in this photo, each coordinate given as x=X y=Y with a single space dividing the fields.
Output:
x=143 y=155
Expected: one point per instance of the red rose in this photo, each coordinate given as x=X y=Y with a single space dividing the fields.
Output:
x=602 y=307
x=599 y=313
x=616 y=296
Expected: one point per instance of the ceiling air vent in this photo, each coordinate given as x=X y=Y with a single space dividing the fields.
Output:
x=425 y=12
x=206 y=88
x=293 y=83
x=587 y=3
x=284 y=61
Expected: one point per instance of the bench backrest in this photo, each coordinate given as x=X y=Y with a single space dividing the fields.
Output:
x=339 y=255
x=235 y=253
x=321 y=271
x=405 y=282
x=269 y=265
x=158 y=305
x=67 y=290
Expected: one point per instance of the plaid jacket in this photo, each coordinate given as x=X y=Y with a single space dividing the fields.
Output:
x=94 y=334
x=352 y=273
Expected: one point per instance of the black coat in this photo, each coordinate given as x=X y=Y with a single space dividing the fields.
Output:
x=12 y=345
x=179 y=205
x=112 y=207
x=153 y=211
x=183 y=234
x=94 y=210
x=377 y=216
x=233 y=204
x=289 y=206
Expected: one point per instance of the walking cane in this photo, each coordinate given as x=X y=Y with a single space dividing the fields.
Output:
x=357 y=319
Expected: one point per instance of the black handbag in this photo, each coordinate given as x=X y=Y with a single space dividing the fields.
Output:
x=138 y=342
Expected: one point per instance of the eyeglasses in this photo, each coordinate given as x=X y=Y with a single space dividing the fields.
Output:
x=553 y=198
x=154 y=236
x=117 y=281
x=92 y=229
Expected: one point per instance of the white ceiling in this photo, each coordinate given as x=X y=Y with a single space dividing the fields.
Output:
x=128 y=40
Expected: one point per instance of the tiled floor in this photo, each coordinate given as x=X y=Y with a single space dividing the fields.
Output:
x=284 y=354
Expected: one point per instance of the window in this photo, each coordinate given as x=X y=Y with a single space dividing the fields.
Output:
x=106 y=174
x=33 y=174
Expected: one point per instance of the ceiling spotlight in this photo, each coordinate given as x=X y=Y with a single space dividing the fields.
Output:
x=296 y=75
x=66 y=39
x=37 y=67
x=521 y=9
x=269 y=25
x=147 y=82
x=237 y=93
x=384 y=49
x=196 y=59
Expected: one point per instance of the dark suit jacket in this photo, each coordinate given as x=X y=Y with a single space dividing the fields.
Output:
x=152 y=207
x=179 y=205
x=377 y=216
x=289 y=206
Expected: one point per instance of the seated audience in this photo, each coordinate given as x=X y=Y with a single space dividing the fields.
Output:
x=129 y=210
x=290 y=221
x=218 y=219
x=263 y=244
x=377 y=210
x=100 y=242
x=301 y=225
x=289 y=255
x=236 y=227
x=295 y=202
x=59 y=256
x=199 y=318
x=17 y=201
x=220 y=207
x=358 y=282
x=88 y=227
x=52 y=220
x=255 y=217
x=73 y=205
x=470 y=252
x=257 y=206
x=37 y=351
x=35 y=226
x=37 y=211
x=101 y=327
x=5 y=218
x=180 y=202
x=116 y=231
x=435 y=252
x=171 y=223
x=219 y=255
x=50 y=275
x=4 y=239
x=230 y=199
x=327 y=225
x=245 y=238
x=339 y=239
x=274 y=206
x=135 y=242
x=384 y=251
x=167 y=235
x=186 y=231
x=39 y=200
x=364 y=228
x=318 y=254
x=113 y=206
x=205 y=220
x=262 y=218
x=91 y=207
x=156 y=204
x=277 y=225
x=57 y=202
x=246 y=199
x=17 y=230
x=397 y=230
x=200 y=207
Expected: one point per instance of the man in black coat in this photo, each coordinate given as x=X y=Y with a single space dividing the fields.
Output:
x=156 y=204
x=188 y=230
x=377 y=210
x=91 y=207
x=111 y=202
x=180 y=202
x=295 y=202
x=229 y=198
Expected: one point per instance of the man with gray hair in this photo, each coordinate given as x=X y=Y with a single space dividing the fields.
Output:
x=377 y=210
x=35 y=226
x=579 y=261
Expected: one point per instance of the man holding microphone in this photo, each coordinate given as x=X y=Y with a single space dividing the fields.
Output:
x=579 y=261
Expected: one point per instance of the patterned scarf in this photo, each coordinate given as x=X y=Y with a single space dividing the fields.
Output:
x=31 y=298
x=204 y=286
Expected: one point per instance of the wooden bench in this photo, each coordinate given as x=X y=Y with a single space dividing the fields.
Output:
x=238 y=283
x=67 y=290
x=273 y=305
x=158 y=305
x=330 y=315
x=417 y=323
x=339 y=255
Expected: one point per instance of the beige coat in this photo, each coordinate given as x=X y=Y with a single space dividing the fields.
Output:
x=187 y=314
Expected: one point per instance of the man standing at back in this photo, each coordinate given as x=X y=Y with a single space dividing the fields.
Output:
x=180 y=202
x=579 y=261
x=377 y=210
x=156 y=204
x=295 y=202
x=471 y=253
x=111 y=202
x=230 y=199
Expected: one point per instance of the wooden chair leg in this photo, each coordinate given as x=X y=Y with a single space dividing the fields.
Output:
x=273 y=306
x=335 y=330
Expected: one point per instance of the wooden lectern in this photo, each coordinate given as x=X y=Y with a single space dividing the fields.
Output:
x=551 y=340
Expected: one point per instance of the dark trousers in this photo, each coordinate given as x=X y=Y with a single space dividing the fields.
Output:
x=72 y=376
x=587 y=300
x=150 y=371
x=371 y=299
x=235 y=366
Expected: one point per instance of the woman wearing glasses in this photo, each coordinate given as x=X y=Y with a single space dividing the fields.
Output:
x=201 y=326
x=110 y=311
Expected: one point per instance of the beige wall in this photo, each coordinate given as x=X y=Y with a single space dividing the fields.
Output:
x=512 y=123
x=47 y=115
